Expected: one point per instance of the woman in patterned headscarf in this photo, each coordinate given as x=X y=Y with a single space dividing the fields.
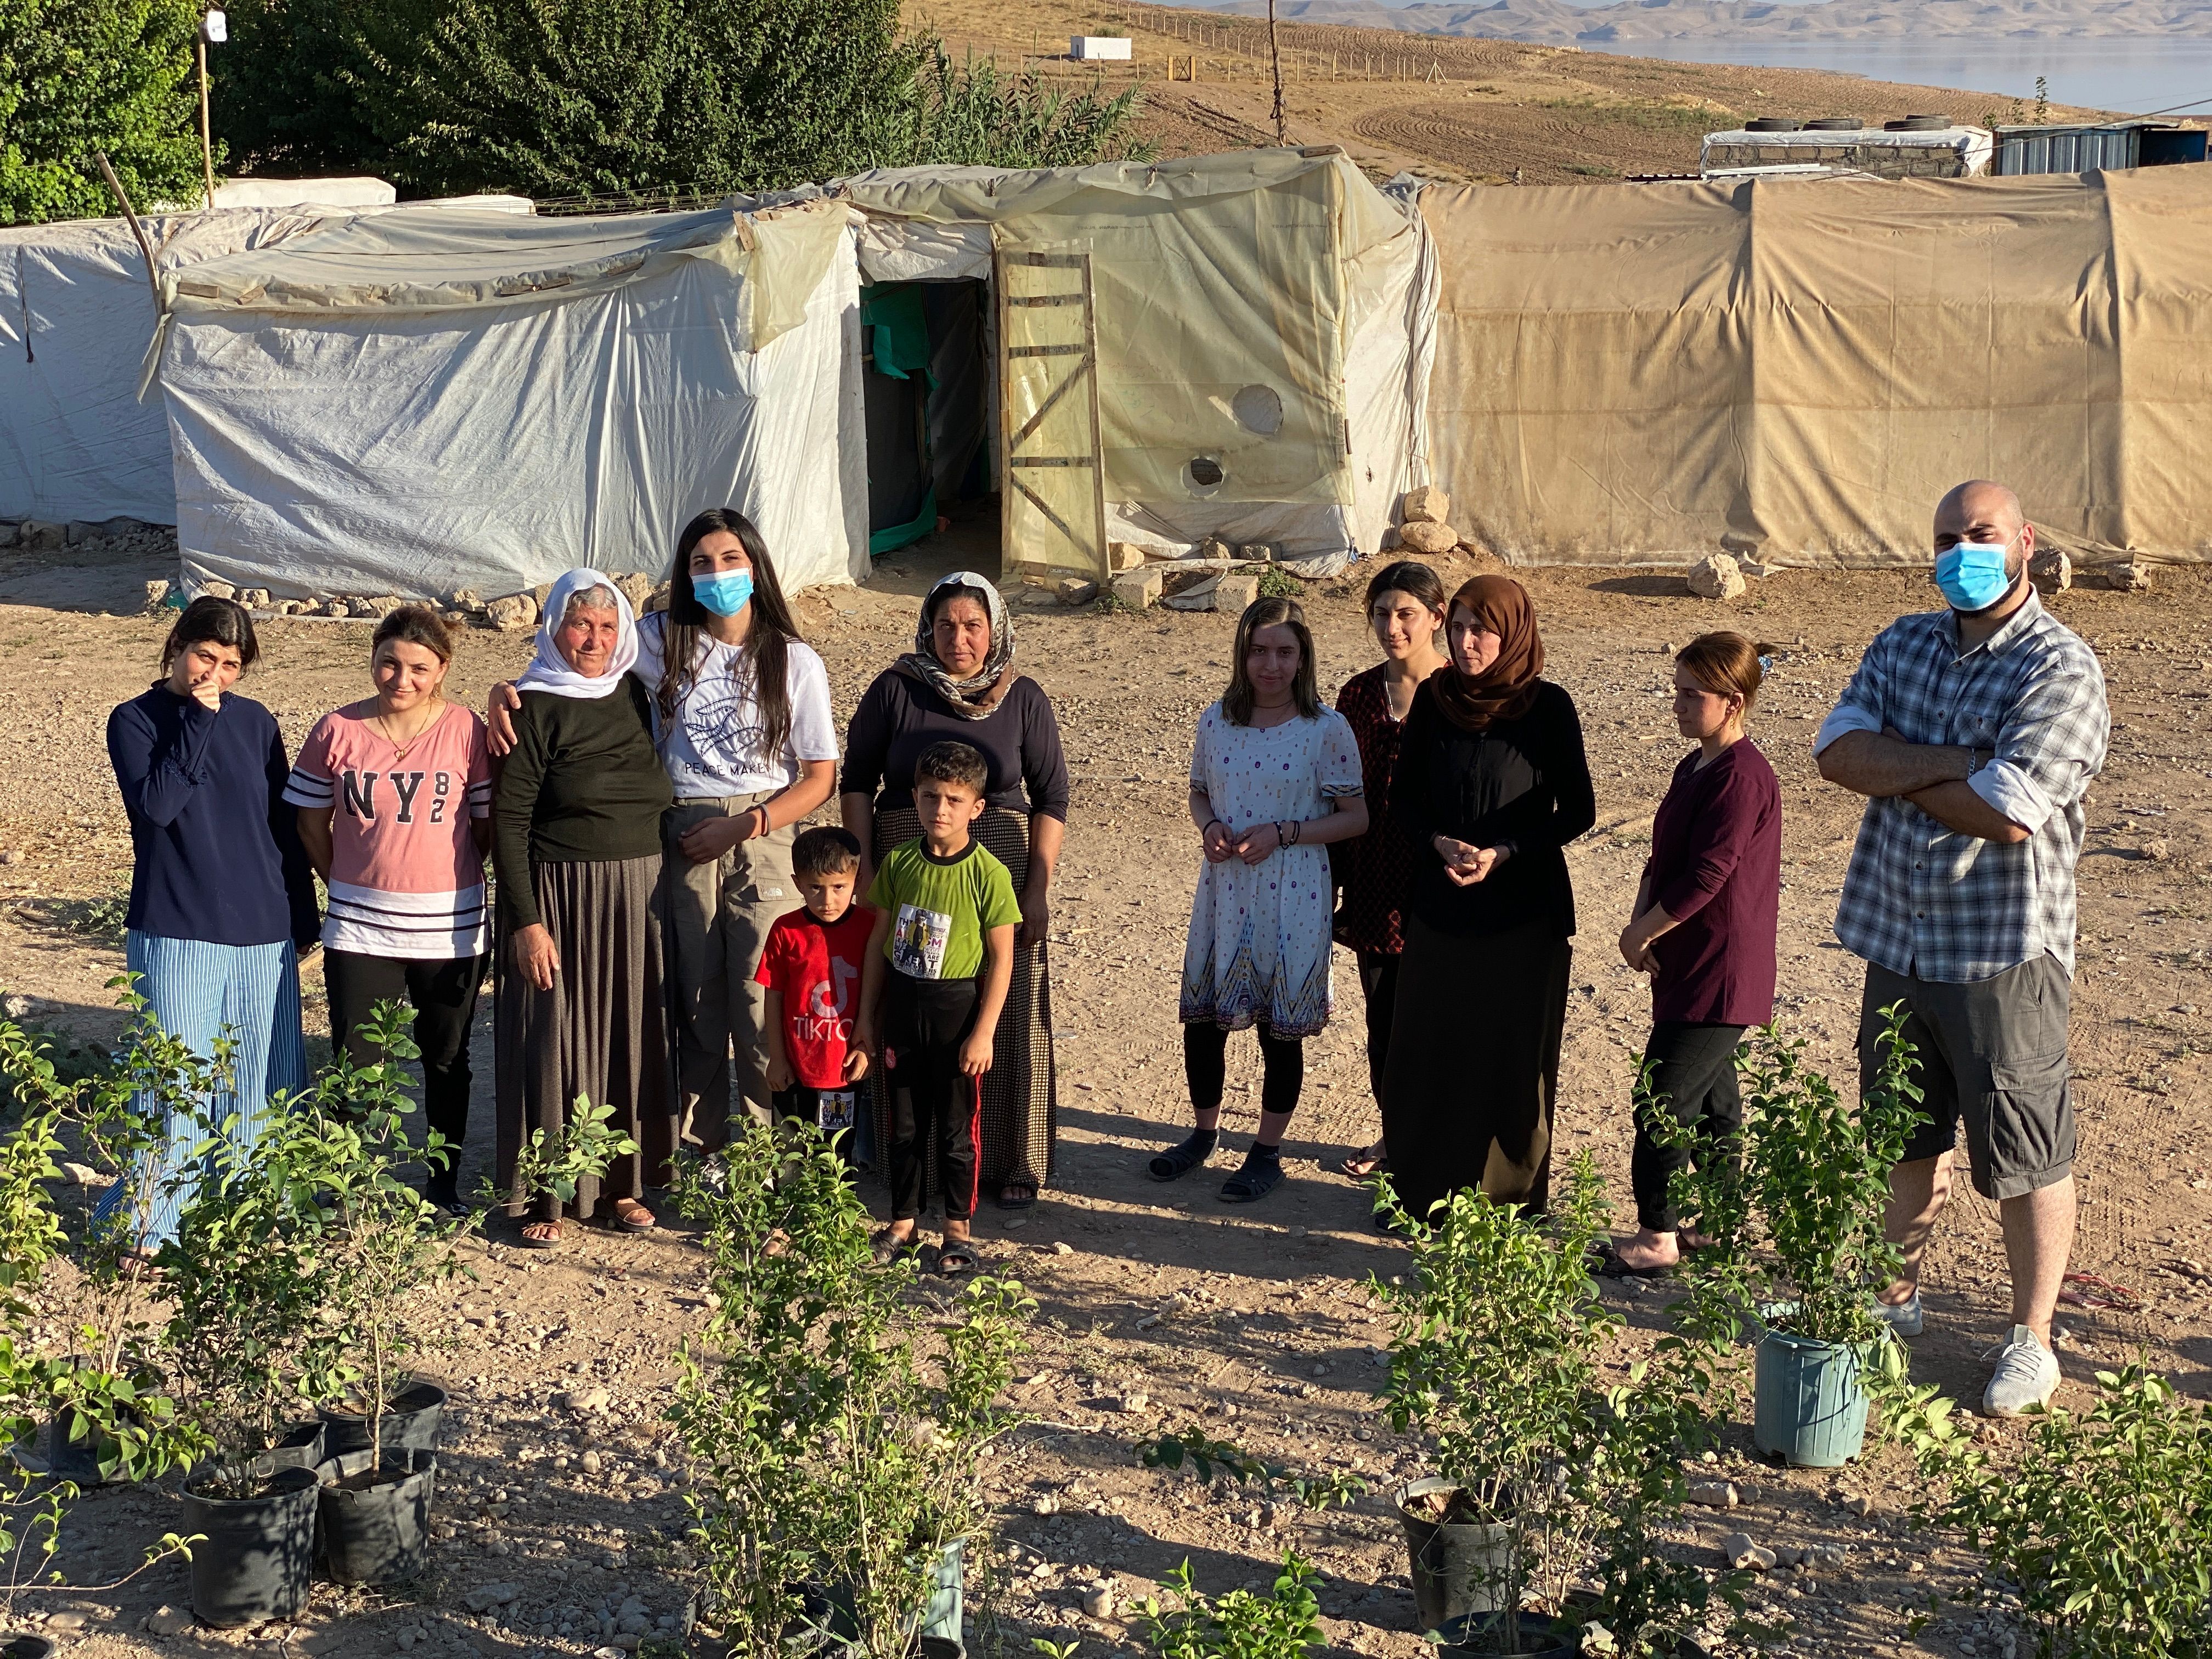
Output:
x=959 y=683
x=1491 y=784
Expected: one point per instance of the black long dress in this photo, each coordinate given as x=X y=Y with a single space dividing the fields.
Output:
x=1482 y=994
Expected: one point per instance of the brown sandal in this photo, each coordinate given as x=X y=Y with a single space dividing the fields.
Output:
x=633 y=1217
x=1368 y=1161
x=541 y=1236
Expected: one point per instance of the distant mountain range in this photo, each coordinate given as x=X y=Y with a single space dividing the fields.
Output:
x=1554 y=23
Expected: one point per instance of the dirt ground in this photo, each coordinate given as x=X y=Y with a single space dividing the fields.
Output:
x=559 y=1486
x=1457 y=111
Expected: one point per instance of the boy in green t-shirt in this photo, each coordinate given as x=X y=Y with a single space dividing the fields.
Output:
x=945 y=914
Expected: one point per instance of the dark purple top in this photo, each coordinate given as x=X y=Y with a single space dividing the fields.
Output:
x=1716 y=867
x=899 y=717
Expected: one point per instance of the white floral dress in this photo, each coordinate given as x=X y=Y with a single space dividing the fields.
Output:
x=1259 y=949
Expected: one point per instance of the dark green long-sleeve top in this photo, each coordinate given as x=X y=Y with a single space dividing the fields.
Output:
x=582 y=785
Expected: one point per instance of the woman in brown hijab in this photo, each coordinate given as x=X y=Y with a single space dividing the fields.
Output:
x=1491 y=784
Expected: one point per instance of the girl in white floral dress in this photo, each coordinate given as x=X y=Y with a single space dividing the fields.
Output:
x=1274 y=778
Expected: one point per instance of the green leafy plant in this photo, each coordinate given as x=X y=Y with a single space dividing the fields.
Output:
x=1276 y=583
x=2104 y=1523
x=835 y=1427
x=1240 y=1625
x=111 y=76
x=1499 y=1334
x=1795 y=1213
x=972 y=114
x=1208 y=1457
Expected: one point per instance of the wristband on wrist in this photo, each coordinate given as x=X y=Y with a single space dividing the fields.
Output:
x=1207 y=825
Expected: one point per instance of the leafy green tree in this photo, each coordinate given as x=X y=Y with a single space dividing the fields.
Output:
x=972 y=113
x=80 y=76
x=298 y=85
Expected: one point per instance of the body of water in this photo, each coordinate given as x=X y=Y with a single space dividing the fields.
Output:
x=2134 y=75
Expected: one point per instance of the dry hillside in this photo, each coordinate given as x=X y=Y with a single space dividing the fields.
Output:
x=1456 y=110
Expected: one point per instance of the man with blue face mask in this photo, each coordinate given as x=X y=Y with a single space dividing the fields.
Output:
x=1974 y=732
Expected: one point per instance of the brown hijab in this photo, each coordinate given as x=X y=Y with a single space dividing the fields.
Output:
x=1505 y=690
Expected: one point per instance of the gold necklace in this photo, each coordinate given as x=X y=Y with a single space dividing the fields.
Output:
x=401 y=750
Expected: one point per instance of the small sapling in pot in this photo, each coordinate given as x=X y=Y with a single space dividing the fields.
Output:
x=834 y=1418
x=1808 y=1180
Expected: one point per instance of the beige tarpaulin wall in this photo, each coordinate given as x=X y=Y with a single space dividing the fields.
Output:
x=1257 y=310
x=1796 y=370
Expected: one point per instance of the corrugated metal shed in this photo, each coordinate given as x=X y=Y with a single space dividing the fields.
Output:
x=2106 y=147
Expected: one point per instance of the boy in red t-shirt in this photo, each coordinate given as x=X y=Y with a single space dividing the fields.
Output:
x=812 y=968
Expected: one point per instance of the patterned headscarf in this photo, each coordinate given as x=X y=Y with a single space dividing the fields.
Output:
x=1505 y=690
x=974 y=697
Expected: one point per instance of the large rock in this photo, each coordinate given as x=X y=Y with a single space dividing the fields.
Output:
x=1076 y=589
x=512 y=611
x=1259 y=552
x=2051 y=570
x=1716 y=577
x=157 y=596
x=1425 y=505
x=1138 y=588
x=1214 y=548
x=635 y=587
x=213 y=589
x=2133 y=577
x=1236 y=590
x=40 y=536
x=1124 y=556
x=1427 y=535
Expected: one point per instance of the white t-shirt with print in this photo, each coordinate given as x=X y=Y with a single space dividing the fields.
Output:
x=711 y=748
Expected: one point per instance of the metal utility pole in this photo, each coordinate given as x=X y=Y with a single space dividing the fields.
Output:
x=1275 y=52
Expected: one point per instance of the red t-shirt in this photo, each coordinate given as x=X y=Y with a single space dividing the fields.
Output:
x=816 y=969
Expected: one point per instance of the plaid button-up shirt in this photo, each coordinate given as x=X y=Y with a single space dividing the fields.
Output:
x=1922 y=899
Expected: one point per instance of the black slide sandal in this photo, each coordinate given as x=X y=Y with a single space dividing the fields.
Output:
x=1605 y=1263
x=1259 y=1177
x=1179 y=1160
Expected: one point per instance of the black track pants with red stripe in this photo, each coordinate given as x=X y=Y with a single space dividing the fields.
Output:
x=925 y=1023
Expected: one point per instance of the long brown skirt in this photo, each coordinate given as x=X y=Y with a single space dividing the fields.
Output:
x=1467 y=1092
x=1021 y=1099
x=601 y=1032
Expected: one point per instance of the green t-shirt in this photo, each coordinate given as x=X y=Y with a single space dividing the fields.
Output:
x=940 y=908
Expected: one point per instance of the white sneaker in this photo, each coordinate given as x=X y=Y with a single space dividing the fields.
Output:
x=2027 y=1375
x=1903 y=1318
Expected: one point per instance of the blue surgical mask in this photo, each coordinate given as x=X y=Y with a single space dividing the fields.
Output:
x=1972 y=574
x=726 y=593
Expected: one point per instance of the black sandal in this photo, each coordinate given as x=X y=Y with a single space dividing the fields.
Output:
x=1259 y=1177
x=1605 y=1261
x=1180 y=1159
x=1017 y=1195
x=957 y=1257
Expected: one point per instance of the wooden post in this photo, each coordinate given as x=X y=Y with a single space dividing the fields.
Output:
x=1275 y=52
x=145 y=247
x=207 y=146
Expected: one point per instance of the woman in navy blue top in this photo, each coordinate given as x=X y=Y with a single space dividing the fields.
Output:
x=223 y=898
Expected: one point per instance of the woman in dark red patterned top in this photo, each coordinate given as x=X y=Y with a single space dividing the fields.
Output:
x=1406 y=607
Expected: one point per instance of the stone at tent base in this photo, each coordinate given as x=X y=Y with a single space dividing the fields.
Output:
x=1214 y=548
x=465 y=598
x=217 y=590
x=1075 y=590
x=1426 y=536
x=1426 y=504
x=1199 y=596
x=2133 y=577
x=157 y=595
x=1123 y=556
x=254 y=598
x=1236 y=590
x=40 y=536
x=1716 y=577
x=512 y=611
x=1259 y=552
x=2051 y=570
x=1138 y=588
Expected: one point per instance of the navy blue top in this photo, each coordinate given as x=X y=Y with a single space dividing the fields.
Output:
x=218 y=855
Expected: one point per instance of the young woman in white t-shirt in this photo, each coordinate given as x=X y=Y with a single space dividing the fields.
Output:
x=394 y=800
x=741 y=708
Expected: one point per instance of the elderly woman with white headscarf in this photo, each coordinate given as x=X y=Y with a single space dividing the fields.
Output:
x=958 y=683
x=576 y=843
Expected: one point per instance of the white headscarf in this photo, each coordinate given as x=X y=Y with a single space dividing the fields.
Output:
x=549 y=671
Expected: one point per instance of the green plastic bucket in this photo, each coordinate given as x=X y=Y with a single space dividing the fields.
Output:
x=1810 y=1407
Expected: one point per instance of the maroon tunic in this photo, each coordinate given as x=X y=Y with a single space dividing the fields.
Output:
x=1716 y=867
x=1373 y=869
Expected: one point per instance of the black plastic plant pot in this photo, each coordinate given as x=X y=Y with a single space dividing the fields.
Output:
x=78 y=1461
x=27 y=1647
x=300 y=1447
x=255 y=1561
x=1456 y=1565
x=1534 y=1636
x=410 y=1423
x=375 y=1524
x=942 y=1647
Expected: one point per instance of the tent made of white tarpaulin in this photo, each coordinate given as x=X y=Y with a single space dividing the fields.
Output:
x=414 y=403
x=74 y=309
x=1234 y=346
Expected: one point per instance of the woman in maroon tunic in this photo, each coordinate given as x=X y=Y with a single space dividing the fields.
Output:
x=1405 y=609
x=1704 y=930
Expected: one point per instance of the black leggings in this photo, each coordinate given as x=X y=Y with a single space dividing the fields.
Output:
x=1693 y=1082
x=444 y=995
x=1378 y=981
x=1205 y=1067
